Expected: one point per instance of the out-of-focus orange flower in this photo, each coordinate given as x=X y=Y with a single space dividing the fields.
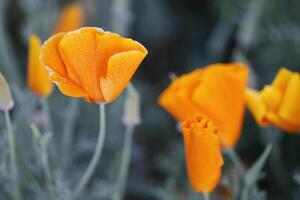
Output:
x=203 y=154
x=217 y=92
x=37 y=76
x=277 y=104
x=71 y=18
x=91 y=63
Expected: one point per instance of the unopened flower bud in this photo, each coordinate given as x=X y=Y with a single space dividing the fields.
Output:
x=6 y=101
x=131 y=115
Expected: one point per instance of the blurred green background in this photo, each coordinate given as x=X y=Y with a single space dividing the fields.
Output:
x=180 y=36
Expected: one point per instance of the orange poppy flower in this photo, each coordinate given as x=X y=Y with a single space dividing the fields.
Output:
x=203 y=154
x=71 y=18
x=37 y=76
x=91 y=63
x=277 y=104
x=217 y=92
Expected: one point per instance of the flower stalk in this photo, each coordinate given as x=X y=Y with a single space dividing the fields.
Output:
x=123 y=172
x=96 y=156
x=12 y=155
x=206 y=196
x=131 y=118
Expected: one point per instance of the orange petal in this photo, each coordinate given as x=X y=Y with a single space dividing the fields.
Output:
x=176 y=99
x=71 y=18
x=204 y=159
x=271 y=97
x=275 y=120
x=220 y=96
x=256 y=106
x=67 y=86
x=79 y=52
x=121 y=68
x=110 y=44
x=282 y=78
x=50 y=55
x=37 y=75
x=290 y=109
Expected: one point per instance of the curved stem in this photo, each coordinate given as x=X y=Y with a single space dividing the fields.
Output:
x=43 y=154
x=96 y=156
x=12 y=155
x=245 y=191
x=125 y=161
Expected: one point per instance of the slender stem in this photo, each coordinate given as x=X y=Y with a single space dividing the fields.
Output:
x=41 y=148
x=125 y=161
x=43 y=155
x=12 y=154
x=245 y=191
x=67 y=136
x=206 y=196
x=45 y=107
x=96 y=156
x=236 y=160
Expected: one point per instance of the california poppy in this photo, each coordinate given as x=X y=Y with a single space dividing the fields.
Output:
x=277 y=104
x=217 y=92
x=203 y=154
x=91 y=63
x=37 y=76
x=70 y=18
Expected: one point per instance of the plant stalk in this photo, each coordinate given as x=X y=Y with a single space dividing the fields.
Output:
x=96 y=156
x=12 y=155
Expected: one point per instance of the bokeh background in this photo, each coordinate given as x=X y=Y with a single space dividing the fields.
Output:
x=180 y=36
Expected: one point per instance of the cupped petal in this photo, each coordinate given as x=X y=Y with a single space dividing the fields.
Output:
x=220 y=96
x=50 y=56
x=79 y=53
x=37 y=75
x=289 y=109
x=177 y=98
x=275 y=120
x=121 y=67
x=256 y=106
x=282 y=78
x=67 y=86
x=271 y=97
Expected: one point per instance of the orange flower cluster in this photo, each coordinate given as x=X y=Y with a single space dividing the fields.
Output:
x=217 y=92
x=277 y=104
x=203 y=154
x=91 y=63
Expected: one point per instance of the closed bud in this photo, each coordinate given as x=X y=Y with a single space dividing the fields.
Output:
x=131 y=115
x=6 y=101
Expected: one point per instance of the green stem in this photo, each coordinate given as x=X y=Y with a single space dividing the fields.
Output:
x=244 y=194
x=96 y=156
x=12 y=154
x=43 y=155
x=206 y=196
x=45 y=107
x=125 y=161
